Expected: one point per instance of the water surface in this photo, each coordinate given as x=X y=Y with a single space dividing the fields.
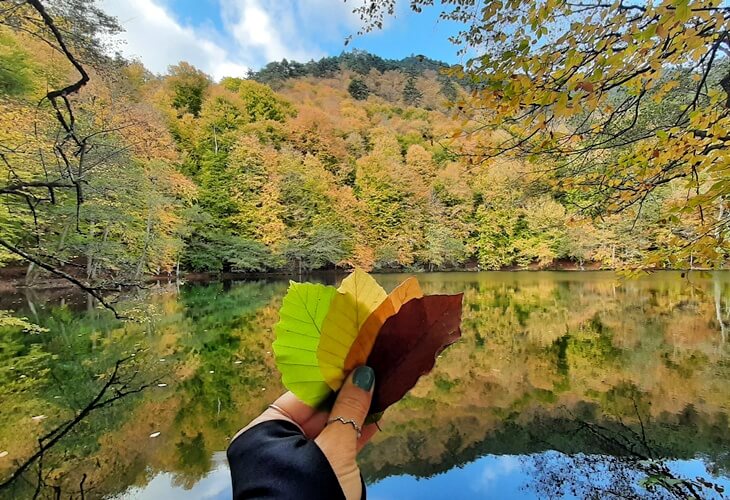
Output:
x=564 y=384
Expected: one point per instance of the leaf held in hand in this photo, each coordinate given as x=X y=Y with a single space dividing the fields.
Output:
x=298 y=331
x=408 y=344
x=358 y=296
x=363 y=344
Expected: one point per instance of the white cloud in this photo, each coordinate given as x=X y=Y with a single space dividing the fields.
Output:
x=253 y=33
x=494 y=468
x=287 y=29
x=153 y=36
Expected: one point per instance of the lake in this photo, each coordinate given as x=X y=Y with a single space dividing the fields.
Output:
x=564 y=385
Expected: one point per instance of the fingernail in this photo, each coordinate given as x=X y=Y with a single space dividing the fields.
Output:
x=363 y=377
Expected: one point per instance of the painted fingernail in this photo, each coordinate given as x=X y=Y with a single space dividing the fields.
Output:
x=363 y=377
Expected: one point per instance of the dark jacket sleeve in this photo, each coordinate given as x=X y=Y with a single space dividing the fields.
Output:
x=274 y=460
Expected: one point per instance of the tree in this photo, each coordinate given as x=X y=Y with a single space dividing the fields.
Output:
x=411 y=95
x=188 y=85
x=572 y=85
x=358 y=90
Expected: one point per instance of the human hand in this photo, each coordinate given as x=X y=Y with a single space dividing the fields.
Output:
x=338 y=439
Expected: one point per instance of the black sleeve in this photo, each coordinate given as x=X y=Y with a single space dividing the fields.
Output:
x=274 y=460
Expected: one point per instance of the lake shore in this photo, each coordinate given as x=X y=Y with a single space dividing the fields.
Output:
x=14 y=277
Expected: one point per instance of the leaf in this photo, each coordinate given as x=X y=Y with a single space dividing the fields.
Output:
x=408 y=344
x=360 y=349
x=358 y=296
x=586 y=86
x=298 y=331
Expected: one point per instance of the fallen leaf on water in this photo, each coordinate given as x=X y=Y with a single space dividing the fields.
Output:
x=155 y=434
x=408 y=344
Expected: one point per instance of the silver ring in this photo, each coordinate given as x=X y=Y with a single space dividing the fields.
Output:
x=347 y=421
x=282 y=411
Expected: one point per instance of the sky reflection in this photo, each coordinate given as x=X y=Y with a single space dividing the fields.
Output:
x=491 y=476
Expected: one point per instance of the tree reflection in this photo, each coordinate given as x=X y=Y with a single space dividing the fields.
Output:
x=578 y=363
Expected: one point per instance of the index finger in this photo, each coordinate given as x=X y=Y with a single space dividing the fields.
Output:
x=309 y=419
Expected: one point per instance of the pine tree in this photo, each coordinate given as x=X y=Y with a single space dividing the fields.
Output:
x=358 y=90
x=411 y=95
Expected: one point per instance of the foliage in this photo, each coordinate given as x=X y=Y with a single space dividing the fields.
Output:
x=358 y=89
x=399 y=336
x=627 y=104
x=411 y=95
x=191 y=175
x=358 y=61
x=187 y=85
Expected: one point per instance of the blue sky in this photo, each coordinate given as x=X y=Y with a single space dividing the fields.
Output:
x=228 y=37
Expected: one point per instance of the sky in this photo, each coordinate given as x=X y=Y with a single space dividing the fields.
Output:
x=229 y=37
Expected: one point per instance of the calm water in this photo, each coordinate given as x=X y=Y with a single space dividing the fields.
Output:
x=563 y=385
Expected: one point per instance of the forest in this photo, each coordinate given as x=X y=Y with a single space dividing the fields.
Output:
x=355 y=160
x=579 y=135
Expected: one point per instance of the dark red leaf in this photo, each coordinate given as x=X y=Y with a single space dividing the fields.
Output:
x=408 y=344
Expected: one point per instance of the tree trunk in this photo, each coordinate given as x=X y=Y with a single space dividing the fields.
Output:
x=718 y=309
x=613 y=256
x=95 y=265
x=29 y=274
x=143 y=257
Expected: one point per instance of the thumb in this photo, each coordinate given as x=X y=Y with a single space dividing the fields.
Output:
x=338 y=441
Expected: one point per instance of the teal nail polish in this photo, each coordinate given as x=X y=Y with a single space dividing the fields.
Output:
x=363 y=377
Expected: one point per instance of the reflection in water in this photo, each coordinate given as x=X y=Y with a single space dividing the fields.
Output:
x=564 y=384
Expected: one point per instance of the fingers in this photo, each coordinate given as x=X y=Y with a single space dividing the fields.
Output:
x=288 y=407
x=353 y=403
x=310 y=420
x=339 y=441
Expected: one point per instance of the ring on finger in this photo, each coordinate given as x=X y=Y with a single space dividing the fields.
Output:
x=347 y=421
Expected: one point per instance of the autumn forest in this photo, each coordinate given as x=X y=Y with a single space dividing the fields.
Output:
x=151 y=218
x=356 y=160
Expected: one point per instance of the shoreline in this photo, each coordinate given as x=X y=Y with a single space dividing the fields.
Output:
x=14 y=278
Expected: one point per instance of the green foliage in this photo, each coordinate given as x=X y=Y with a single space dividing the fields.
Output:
x=358 y=89
x=16 y=67
x=261 y=103
x=411 y=95
x=359 y=61
x=188 y=85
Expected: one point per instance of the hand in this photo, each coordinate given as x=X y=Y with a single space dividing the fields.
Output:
x=338 y=441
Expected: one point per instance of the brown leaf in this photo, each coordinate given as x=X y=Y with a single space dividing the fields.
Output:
x=408 y=344
x=586 y=85
x=360 y=349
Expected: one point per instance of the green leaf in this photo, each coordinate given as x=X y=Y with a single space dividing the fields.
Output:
x=298 y=331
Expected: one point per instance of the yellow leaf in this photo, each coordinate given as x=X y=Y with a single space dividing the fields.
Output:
x=365 y=340
x=358 y=296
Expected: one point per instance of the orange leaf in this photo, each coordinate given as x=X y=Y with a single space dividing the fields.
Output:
x=360 y=349
x=586 y=85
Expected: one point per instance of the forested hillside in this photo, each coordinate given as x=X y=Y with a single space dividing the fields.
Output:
x=347 y=161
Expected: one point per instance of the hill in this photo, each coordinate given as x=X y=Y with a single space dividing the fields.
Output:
x=346 y=161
